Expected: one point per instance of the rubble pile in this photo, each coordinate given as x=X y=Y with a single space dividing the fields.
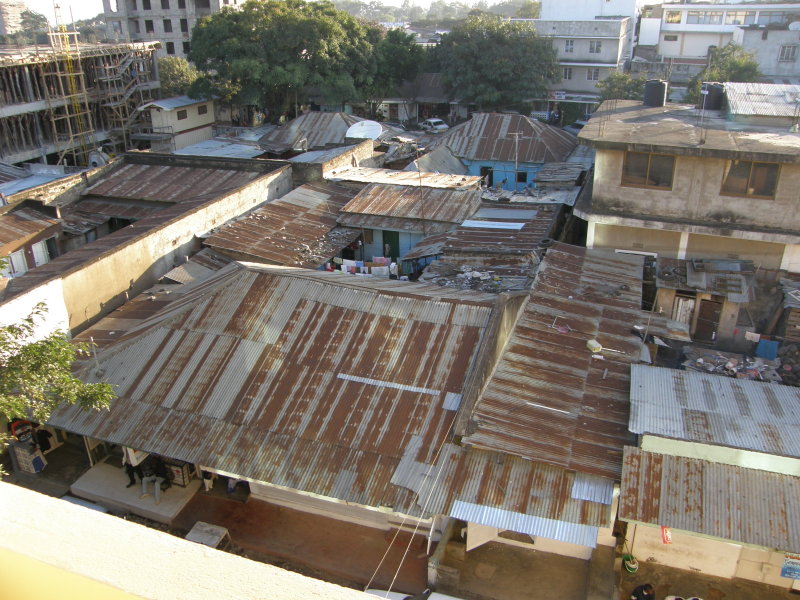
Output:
x=789 y=355
x=735 y=365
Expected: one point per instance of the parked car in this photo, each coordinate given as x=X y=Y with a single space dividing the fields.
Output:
x=433 y=125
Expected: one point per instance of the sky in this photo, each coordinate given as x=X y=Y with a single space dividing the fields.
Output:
x=81 y=9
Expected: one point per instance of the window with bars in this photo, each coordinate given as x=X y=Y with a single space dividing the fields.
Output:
x=788 y=54
x=593 y=74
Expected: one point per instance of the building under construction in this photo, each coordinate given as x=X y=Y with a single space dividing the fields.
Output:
x=61 y=103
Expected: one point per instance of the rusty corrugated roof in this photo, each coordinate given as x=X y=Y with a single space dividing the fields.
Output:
x=313 y=131
x=22 y=225
x=297 y=230
x=170 y=183
x=489 y=136
x=310 y=380
x=406 y=177
x=113 y=208
x=407 y=207
x=733 y=503
x=548 y=399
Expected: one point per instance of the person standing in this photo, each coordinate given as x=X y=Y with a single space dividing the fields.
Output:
x=644 y=592
x=154 y=471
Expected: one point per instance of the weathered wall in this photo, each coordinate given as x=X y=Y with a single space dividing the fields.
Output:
x=303 y=173
x=767 y=49
x=663 y=243
x=695 y=196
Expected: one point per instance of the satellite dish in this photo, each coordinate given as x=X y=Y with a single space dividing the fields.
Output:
x=365 y=130
x=794 y=26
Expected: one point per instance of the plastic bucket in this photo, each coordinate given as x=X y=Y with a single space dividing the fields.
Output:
x=630 y=563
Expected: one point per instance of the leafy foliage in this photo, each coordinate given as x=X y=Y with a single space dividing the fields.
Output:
x=494 y=63
x=398 y=59
x=728 y=63
x=176 y=74
x=621 y=86
x=35 y=374
x=267 y=52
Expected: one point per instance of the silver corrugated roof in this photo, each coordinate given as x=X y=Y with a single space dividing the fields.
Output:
x=731 y=503
x=762 y=99
x=426 y=179
x=172 y=103
x=710 y=409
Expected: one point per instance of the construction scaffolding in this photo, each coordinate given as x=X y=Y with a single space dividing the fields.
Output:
x=59 y=103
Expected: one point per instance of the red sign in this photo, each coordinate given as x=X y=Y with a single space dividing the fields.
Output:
x=666 y=535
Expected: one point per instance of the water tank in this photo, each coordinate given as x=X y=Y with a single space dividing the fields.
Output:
x=655 y=92
x=713 y=93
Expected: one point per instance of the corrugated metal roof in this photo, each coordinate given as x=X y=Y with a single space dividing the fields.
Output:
x=723 y=501
x=223 y=148
x=169 y=183
x=242 y=373
x=21 y=226
x=314 y=131
x=409 y=177
x=489 y=136
x=89 y=206
x=559 y=172
x=548 y=399
x=407 y=207
x=320 y=156
x=172 y=103
x=439 y=160
x=709 y=409
x=762 y=99
x=297 y=230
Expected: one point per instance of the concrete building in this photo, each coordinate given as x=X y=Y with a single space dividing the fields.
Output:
x=175 y=123
x=671 y=182
x=59 y=104
x=777 y=50
x=588 y=52
x=167 y=21
x=11 y=16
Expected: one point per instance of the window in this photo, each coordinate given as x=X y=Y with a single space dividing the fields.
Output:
x=567 y=72
x=184 y=25
x=595 y=46
x=182 y=114
x=167 y=25
x=16 y=264
x=781 y=17
x=202 y=109
x=181 y=3
x=165 y=4
x=673 y=16
x=170 y=47
x=704 y=17
x=642 y=169
x=788 y=54
x=522 y=177
x=569 y=45
x=748 y=178
x=148 y=26
x=146 y=4
x=740 y=17
x=670 y=38
x=593 y=74
x=186 y=47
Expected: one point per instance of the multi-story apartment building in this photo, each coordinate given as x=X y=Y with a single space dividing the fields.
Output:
x=167 y=21
x=11 y=16
x=588 y=52
x=58 y=104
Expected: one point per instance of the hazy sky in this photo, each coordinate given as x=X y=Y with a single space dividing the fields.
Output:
x=81 y=9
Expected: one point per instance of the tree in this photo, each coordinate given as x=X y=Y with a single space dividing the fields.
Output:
x=268 y=52
x=176 y=75
x=35 y=373
x=728 y=63
x=495 y=63
x=398 y=59
x=622 y=86
x=32 y=22
x=529 y=10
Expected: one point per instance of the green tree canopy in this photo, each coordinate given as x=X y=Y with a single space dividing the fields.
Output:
x=398 y=59
x=268 y=52
x=621 y=86
x=176 y=75
x=36 y=376
x=496 y=64
x=728 y=63
x=32 y=22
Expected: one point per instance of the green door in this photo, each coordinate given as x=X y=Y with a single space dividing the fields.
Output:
x=391 y=244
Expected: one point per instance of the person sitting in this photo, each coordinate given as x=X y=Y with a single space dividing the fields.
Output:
x=643 y=592
x=154 y=471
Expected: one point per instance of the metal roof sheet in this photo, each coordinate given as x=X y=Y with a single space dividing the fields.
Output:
x=411 y=203
x=89 y=206
x=490 y=136
x=408 y=177
x=709 y=409
x=243 y=373
x=223 y=148
x=21 y=226
x=762 y=99
x=314 y=131
x=727 y=502
x=439 y=160
x=297 y=230
x=320 y=156
x=549 y=399
x=170 y=183
x=172 y=103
